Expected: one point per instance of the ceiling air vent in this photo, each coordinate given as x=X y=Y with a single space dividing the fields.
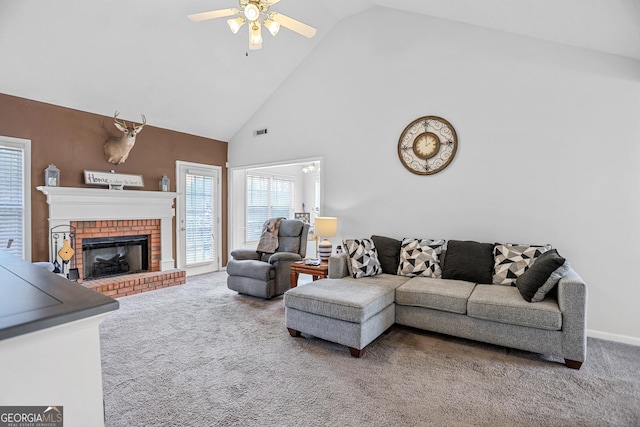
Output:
x=261 y=132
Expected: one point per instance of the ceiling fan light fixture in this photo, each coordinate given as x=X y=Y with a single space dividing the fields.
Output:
x=255 y=36
x=257 y=13
x=272 y=26
x=235 y=24
x=252 y=12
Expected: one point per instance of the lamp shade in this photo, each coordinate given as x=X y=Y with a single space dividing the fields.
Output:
x=272 y=26
x=255 y=36
x=326 y=226
x=235 y=24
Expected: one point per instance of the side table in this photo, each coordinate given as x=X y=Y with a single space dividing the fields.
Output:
x=316 y=271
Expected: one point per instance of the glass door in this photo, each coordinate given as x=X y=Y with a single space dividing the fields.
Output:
x=198 y=217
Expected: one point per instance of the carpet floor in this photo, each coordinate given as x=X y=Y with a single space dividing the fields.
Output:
x=202 y=355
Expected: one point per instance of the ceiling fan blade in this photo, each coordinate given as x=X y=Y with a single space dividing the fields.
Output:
x=203 y=16
x=293 y=25
x=272 y=2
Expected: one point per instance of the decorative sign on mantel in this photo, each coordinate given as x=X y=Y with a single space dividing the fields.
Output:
x=115 y=181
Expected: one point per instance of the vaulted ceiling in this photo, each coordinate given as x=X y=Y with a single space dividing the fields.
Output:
x=145 y=56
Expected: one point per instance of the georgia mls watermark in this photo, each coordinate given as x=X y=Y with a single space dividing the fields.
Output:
x=31 y=416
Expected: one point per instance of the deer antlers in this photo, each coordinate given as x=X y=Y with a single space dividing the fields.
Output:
x=124 y=124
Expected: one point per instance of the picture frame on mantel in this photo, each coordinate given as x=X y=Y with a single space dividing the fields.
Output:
x=115 y=181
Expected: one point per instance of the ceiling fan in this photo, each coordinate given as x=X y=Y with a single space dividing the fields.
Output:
x=256 y=13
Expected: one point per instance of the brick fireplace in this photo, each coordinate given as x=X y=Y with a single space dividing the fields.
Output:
x=118 y=228
x=104 y=213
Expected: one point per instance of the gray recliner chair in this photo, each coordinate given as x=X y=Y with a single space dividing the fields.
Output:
x=267 y=275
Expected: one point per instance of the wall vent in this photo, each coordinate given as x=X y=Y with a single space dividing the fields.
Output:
x=261 y=132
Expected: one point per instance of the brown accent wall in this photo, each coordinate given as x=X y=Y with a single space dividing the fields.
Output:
x=72 y=140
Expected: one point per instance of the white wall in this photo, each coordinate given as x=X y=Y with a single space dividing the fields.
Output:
x=549 y=139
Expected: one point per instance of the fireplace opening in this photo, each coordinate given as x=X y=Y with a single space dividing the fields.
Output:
x=114 y=256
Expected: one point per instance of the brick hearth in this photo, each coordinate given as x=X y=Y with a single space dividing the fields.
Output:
x=127 y=284
x=136 y=283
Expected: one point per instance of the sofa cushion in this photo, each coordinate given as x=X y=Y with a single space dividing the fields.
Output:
x=469 y=261
x=349 y=300
x=542 y=276
x=439 y=294
x=511 y=260
x=388 y=253
x=504 y=304
x=391 y=281
x=420 y=257
x=362 y=257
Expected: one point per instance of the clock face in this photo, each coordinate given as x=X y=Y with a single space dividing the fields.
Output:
x=427 y=145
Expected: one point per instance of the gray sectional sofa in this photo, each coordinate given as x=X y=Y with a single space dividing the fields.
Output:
x=355 y=311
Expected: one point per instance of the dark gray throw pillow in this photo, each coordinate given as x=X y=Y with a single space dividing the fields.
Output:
x=388 y=253
x=469 y=261
x=542 y=276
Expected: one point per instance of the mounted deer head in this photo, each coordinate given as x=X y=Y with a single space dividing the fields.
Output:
x=116 y=150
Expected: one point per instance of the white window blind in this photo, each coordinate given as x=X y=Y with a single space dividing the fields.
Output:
x=267 y=197
x=12 y=207
x=200 y=212
x=281 y=197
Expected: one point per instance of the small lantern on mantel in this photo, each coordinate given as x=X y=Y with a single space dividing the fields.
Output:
x=52 y=176
x=164 y=183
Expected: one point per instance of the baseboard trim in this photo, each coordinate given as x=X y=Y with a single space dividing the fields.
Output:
x=625 y=339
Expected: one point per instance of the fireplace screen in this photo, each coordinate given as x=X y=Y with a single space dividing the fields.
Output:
x=113 y=256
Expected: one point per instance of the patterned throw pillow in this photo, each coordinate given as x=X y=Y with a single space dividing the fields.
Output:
x=363 y=257
x=511 y=260
x=420 y=257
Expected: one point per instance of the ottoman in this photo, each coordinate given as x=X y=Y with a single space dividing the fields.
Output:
x=343 y=311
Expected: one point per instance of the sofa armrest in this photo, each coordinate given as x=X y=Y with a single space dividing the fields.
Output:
x=338 y=266
x=572 y=300
x=284 y=256
x=242 y=254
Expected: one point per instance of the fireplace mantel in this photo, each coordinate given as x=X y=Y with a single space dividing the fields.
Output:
x=68 y=204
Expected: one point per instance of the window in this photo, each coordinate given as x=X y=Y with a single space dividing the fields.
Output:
x=200 y=218
x=268 y=196
x=15 y=212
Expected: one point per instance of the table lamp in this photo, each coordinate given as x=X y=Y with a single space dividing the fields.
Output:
x=326 y=226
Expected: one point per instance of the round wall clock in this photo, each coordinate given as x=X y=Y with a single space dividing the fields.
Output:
x=427 y=145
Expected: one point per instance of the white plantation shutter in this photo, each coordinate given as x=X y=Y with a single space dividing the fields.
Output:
x=257 y=205
x=13 y=203
x=281 y=197
x=267 y=197
x=200 y=219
